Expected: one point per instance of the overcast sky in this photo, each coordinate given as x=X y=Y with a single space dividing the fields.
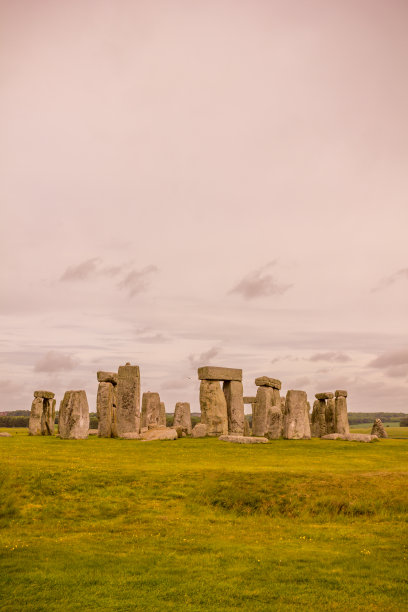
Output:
x=204 y=182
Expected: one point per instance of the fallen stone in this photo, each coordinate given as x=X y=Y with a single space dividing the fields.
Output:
x=334 y=436
x=379 y=429
x=324 y=396
x=341 y=418
x=265 y=381
x=107 y=377
x=182 y=418
x=235 y=406
x=341 y=393
x=150 y=410
x=5 y=434
x=131 y=435
x=264 y=401
x=354 y=437
x=296 y=425
x=199 y=430
x=249 y=399
x=244 y=439
x=74 y=416
x=213 y=408
x=92 y=432
x=128 y=399
x=44 y=394
x=214 y=373
x=104 y=408
x=163 y=433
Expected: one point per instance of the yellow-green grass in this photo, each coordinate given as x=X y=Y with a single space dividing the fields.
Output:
x=202 y=525
x=393 y=432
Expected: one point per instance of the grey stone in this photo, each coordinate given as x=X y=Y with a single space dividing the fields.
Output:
x=162 y=416
x=353 y=437
x=131 y=435
x=160 y=433
x=182 y=418
x=42 y=417
x=324 y=396
x=331 y=416
x=297 y=425
x=214 y=373
x=235 y=406
x=379 y=429
x=48 y=417
x=274 y=423
x=264 y=401
x=341 y=393
x=44 y=394
x=247 y=429
x=199 y=430
x=333 y=436
x=342 y=424
x=213 y=408
x=266 y=381
x=5 y=434
x=107 y=377
x=128 y=400
x=318 y=424
x=74 y=416
x=249 y=399
x=244 y=439
x=150 y=410
x=104 y=408
x=34 y=424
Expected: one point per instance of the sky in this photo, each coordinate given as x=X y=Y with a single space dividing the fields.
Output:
x=194 y=183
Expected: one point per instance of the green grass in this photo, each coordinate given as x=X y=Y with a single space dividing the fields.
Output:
x=393 y=432
x=202 y=525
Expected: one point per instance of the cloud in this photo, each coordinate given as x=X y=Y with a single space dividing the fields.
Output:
x=259 y=283
x=82 y=271
x=175 y=384
x=55 y=362
x=137 y=281
x=154 y=339
x=204 y=358
x=392 y=358
x=387 y=281
x=330 y=356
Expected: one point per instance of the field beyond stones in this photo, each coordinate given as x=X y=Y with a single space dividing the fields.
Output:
x=199 y=524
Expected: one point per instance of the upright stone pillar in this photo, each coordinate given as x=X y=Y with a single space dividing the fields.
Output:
x=331 y=416
x=267 y=414
x=319 y=414
x=106 y=403
x=162 y=418
x=182 y=418
x=297 y=424
x=42 y=416
x=150 y=410
x=233 y=392
x=128 y=400
x=274 y=423
x=73 y=420
x=213 y=408
x=264 y=401
x=342 y=424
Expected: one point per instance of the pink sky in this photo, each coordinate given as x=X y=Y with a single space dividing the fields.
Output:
x=185 y=183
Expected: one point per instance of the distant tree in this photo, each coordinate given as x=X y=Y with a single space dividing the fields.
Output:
x=404 y=422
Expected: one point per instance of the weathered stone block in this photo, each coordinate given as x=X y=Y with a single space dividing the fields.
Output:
x=215 y=373
x=44 y=394
x=274 y=423
x=128 y=399
x=265 y=381
x=73 y=420
x=243 y=439
x=34 y=424
x=104 y=408
x=213 y=408
x=247 y=429
x=341 y=393
x=318 y=421
x=199 y=430
x=48 y=417
x=249 y=399
x=162 y=416
x=182 y=418
x=161 y=433
x=330 y=416
x=264 y=401
x=107 y=377
x=235 y=406
x=342 y=424
x=150 y=410
x=324 y=396
x=379 y=429
x=297 y=425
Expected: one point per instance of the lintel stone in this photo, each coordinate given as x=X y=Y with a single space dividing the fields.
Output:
x=324 y=396
x=249 y=399
x=265 y=381
x=44 y=394
x=109 y=377
x=341 y=393
x=214 y=373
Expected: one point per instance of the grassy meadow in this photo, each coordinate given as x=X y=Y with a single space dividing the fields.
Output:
x=199 y=524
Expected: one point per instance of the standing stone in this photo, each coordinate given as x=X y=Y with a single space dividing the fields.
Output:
x=330 y=416
x=73 y=419
x=247 y=430
x=213 y=407
x=379 y=429
x=182 y=418
x=199 y=430
x=274 y=423
x=150 y=410
x=297 y=424
x=264 y=401
x=162 y=415
x=128 y=400
x=283 y=406
x=34 y=425
x=342 y=424
x=48 y=417
x=276 y=397
x=104 y=408
x=233 y=392
x=318 y=426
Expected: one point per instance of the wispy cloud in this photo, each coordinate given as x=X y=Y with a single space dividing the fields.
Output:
x=53 y=361
x=392 y=358
x=260 y=283
x=204 y=358
x=153 y=339
x=330 y=356
x=82 y=271
x=387 y=281
x=137 y=281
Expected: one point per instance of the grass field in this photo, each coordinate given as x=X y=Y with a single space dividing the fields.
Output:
x=200 y=524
